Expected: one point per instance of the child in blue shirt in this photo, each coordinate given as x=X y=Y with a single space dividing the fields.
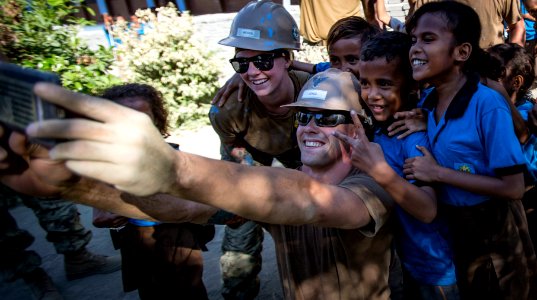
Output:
x=422 y=240
x=514 y=69
x=476 y=159
x=529 y=25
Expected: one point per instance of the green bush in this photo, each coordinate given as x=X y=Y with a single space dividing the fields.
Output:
x=168 y=57
x=42 y=35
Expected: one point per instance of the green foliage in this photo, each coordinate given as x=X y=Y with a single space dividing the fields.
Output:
x=168 y=57
x=42 y=34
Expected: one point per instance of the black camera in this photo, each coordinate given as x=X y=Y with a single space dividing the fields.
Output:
x=19 y=106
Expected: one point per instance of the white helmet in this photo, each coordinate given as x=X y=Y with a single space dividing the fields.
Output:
x=263 y=26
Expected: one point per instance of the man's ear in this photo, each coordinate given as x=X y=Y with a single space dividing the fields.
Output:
x=517 y=82
x=462 y=52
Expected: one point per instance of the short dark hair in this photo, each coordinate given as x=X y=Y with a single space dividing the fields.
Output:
x=515 y=58
x=390 y=45
x=393 y=45
x=461 y=20
x=350 y=27
x=148 y=94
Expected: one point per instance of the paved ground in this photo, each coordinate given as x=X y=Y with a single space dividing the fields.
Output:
x=203 y=142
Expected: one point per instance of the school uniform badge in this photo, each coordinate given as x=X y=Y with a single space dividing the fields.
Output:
x=464 y=167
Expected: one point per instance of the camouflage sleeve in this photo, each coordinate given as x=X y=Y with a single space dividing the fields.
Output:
x=229 y=121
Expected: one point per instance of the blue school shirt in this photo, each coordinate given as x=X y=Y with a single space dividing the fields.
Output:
x=530 y=147
x=528 y=24
x=423 y=248
x=524 y=107
x=474 y=135
x=322 y=66
x=142 y=223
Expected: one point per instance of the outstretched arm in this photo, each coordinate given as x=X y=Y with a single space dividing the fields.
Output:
x=160 y=207
x=122 y=147
x=303 y=66
x=44 y=177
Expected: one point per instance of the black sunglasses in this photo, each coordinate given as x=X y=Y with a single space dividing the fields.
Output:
x=323 y=119
x=263 y=62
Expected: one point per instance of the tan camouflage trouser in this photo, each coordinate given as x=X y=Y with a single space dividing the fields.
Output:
x=241 y=261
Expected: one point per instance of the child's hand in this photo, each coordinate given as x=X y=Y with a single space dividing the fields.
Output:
x=423 y=168
x=13 y=158
x=412 y=121
x=232 y=84
x=105 y=219
x=365 y=155
x=27 y=168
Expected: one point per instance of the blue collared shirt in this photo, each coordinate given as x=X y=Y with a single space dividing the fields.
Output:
x=475 y=135
x=424 y=248
x=530 y=147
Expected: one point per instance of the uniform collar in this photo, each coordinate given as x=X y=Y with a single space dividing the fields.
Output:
x=382 y=127
x=460 y=102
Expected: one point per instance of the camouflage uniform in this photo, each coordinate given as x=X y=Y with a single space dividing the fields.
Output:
x=59 y=218
x=241 y=260
x=250 y=136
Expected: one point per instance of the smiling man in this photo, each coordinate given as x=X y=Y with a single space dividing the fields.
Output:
x=329 y=220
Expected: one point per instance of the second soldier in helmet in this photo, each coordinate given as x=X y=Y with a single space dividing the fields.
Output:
x=257 y=130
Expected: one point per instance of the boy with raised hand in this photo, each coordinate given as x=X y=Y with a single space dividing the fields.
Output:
x=421 y=238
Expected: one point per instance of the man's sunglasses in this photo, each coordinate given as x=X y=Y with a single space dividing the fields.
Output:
x=263 y=62
x=324 y=119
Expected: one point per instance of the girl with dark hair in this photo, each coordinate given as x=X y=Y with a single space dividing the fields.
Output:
x=514 y=69
x=476 y=158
